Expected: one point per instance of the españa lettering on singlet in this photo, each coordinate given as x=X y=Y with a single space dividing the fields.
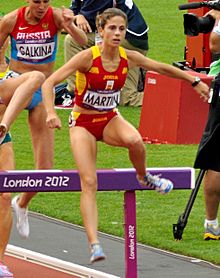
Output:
x=99 y=89
x=34 y=43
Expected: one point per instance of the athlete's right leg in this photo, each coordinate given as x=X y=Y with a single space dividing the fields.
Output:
x=83 y=146
x=84 y=151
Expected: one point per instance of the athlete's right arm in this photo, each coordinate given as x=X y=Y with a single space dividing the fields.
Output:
x=82 y=62
x=7 y=24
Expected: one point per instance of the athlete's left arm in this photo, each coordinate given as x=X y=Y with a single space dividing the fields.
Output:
x=64 y=19
x=136 y=59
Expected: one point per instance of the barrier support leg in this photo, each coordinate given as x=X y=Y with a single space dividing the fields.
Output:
x=130 y=234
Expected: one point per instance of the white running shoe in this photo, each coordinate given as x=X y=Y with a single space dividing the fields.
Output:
x=22 y=218
x=97 y=253
x=4 y=271
x=163 y=186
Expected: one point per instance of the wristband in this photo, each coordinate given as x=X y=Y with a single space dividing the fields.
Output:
x=196 y=82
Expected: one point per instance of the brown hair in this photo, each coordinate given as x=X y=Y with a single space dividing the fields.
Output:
x=101 y=19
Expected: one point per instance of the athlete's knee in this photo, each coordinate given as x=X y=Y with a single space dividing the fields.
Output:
x=37 y=78
x=89 y=184
x=135 y=141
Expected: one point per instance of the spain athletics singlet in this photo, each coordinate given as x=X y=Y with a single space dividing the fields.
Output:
x=34 y=43
x=99 y=89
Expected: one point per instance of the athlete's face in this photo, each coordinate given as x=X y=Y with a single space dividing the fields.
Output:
x=38 y=8
x=114 y=31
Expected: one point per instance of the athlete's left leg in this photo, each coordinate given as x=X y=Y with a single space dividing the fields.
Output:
x=121 y=133
x=6 y=163
x=43 y=144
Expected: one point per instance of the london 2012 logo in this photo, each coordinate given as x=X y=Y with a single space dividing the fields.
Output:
x=30 y=182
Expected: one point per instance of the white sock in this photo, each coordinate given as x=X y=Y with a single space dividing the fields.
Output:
x=213 y=223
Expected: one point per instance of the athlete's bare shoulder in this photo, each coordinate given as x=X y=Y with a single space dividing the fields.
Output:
x=135 y=58
x=57 y=12
x=132 y=54
x=84 y=60
x=8 y=21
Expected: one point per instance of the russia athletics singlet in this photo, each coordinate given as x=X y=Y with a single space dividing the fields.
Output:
x=34 y=43
x=99 y=89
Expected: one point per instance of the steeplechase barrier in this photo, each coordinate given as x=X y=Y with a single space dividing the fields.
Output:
x=123 y=179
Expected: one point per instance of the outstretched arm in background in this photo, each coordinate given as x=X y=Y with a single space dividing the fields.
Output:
x=137 y=59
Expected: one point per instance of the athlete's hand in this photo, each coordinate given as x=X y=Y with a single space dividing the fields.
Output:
x=203 y=90
x=67 y=17
x=53 y=121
